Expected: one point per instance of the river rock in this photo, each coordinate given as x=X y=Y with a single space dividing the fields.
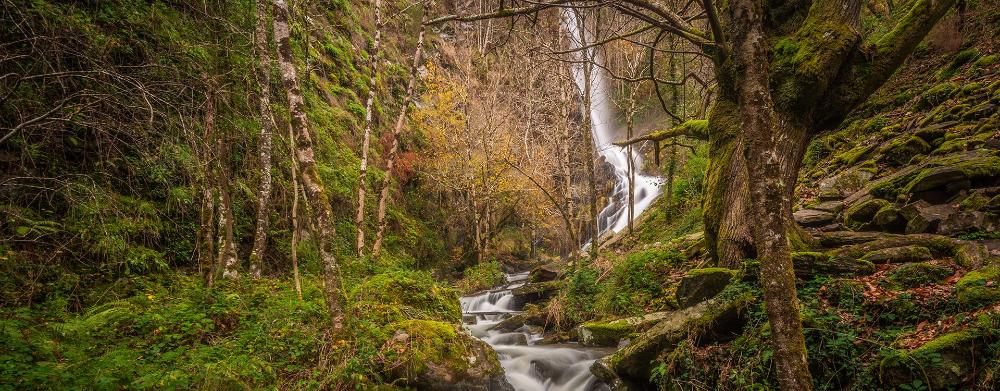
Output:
x=811 y=264
x=433 y=355
x=812 y=218
x=610 y=333
x=699 y=285
x=899 y=255
x=715 y=320
x=601 y=369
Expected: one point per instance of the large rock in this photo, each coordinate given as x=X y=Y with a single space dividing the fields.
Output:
x=964 y=253
x=602 y=370
x=543 y=273
x=433 y=355
x=899 y=255
x=829 y=206
x=943 y=363
x=811 y=264
x=844 y=184
x=966 y=222
x=715 y=320
x=860 y=215
x=923 y=217
x=534 y=292
x=610 y=333
x=890 y=219
x=699 y=285
x=846 y=238
x=812 y=218
x=979 y=288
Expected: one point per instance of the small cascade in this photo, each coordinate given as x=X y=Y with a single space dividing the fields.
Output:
x=529 y=367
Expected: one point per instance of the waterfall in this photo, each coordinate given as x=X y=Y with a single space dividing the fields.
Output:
x=614 y=216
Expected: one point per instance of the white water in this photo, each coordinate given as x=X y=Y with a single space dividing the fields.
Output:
x=528 y=367
x=614 y=216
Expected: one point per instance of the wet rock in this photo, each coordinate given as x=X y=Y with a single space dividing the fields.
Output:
x=543 y=273
x=715 y=320
x=979 y=288
x=530 y=318
x=610 y=333
x=433 y=355
x=899 y=255
x=812 y=218
x=811 y=264
x=859 y=216
x=602 y=370
x=699 y=285
x=945 y=362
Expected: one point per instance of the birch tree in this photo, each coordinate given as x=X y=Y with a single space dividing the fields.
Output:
x=266 y=129
x=322 y=212
x=359 y=218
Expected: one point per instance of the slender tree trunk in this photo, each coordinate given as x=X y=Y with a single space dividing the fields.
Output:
x=295 y=216
x=226 y=259
x=589 y=137
x=206 y=231
x=390 y=163
x=631 y=169
x=359 y=218
x=266 y=130
x=771 y=144
x=322 y=213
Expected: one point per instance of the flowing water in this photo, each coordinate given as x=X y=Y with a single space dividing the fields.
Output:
x=614 y=216
x=529 y=367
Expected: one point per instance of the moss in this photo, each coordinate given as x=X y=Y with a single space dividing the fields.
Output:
x=986 y=61
x=910 y=253
x=979 y=288
x=918 y=274
x=414 y=290
x=860 y=216
x=936 y=95
x=900 y=150
x=942 y=363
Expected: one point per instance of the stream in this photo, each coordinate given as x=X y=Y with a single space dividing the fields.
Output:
x=528 y=366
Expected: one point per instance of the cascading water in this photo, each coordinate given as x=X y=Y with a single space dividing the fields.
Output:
x=614 y=216
x=565 y=367
x=529 y=367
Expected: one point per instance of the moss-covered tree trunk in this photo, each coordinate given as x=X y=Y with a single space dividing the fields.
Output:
x=263 y=69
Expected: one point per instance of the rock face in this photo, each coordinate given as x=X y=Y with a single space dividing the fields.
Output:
x=715 y=320
x=610 y=333
x=433 y=355
x=699 y=285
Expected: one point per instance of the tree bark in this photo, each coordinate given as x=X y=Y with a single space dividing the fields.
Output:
x=226 y=258
x=390 y=161
x=295 y=216
x=589 y=137
x=322 y=213
x=359 y=218
x=266 y=130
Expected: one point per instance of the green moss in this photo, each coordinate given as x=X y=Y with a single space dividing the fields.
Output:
x=900 y=150
x=481 y=276
x=936 y=95
x=861 y=215
x=979 y=288
x=919 y=274
x=417 y=291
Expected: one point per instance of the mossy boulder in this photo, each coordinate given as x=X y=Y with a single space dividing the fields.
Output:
x=943 y=363
x=534 y=292
x=889 y=219
x=936 y=95
x=860 y=216
x=901 y=254
x=699 y=285
x=433 y=355
x=715 y=320
x=610 y=333
x=847 y=182
x=979 y=288
x=543 y=273
x=922 y=217
x=811 y=264
x=845 y=293
x=899 y=151
x=914 y=275
x=414 y=293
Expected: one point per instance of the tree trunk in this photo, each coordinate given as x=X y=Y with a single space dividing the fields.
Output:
x=295 y=216
x=589 y=137
x=359 y=218
x=322 y=213
x=726 y=198
x=226 y=258
x=771 y=142
x=390 y=162
x=266 y=130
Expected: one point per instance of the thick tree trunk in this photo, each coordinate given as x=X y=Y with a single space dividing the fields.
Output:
x=390 y=162
x=266 y=130
x=771 y=142
x=359 y=218
x=725 y=205
x=322 y=213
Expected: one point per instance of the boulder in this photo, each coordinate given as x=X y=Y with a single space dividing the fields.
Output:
x=811 y=264
x=979 y=288
x=889 y=219
x=844 y=184
x=610 y=333
x=530 y=318
x=845 y=238
x=945 y=362
x=812 y=217
x=922 y=217
x=433 y=355
x=534 y=292
x=902 y=254
x=543 y=273
x=964 y=253
x=966 y=222
x=935 y=178
x=602 y=370
x=829 y=206
x=860 y=215
x=900 y=150
x=699 y=285
x=715 y=320
x=915 y=275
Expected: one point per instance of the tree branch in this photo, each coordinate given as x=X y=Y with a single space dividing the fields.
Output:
x=695 y=128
